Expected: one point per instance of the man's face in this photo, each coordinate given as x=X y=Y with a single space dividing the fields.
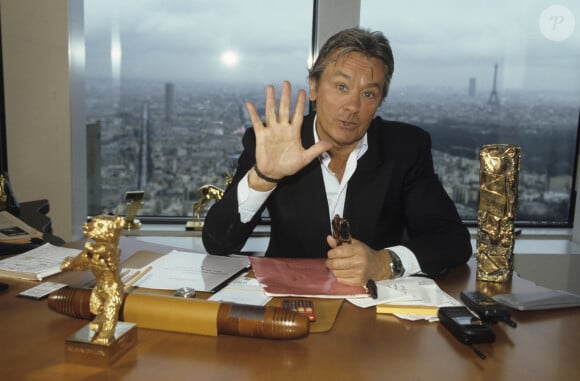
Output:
x=347 y=96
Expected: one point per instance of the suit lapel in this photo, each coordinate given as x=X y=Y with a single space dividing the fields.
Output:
x=367 y=189
x=312 y=185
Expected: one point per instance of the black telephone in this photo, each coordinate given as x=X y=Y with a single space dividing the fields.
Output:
x=466 y=327
x=486 y=308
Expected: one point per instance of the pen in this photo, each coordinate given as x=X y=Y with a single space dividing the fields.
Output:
x=228 y=281
x=341 y=232
x=371 y=288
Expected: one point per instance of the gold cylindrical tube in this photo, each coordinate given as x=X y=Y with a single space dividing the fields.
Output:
x=195 y=316
x=498 y=196
x=172 y=314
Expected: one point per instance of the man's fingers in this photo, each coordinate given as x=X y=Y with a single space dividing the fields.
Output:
x=254 y=116
x=347 y=277
x=298 y=114
x=338 y=264
x=331 y=241
x=285 y=100
x=271 y=118
x=315 y=150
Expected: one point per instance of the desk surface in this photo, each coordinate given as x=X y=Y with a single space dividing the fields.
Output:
x=361 y=346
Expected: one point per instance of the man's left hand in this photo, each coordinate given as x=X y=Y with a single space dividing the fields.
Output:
x=355 y=263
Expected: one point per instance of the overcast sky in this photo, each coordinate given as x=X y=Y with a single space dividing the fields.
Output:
x=436 y=43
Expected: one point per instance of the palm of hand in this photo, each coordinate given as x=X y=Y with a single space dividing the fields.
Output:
x=279 y=150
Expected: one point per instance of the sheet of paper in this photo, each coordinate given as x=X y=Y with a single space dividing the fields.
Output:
x=41 y=290
x=243 y=290
x=412 y=291
x=202 y=272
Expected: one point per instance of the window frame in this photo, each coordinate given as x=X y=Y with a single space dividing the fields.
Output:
x=328 y=17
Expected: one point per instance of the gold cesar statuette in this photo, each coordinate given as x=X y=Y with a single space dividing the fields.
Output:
x=499 y=172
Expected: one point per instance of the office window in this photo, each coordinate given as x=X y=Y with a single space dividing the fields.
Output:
x=166 y=84
x=475 y=73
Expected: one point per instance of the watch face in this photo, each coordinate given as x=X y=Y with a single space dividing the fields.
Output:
x=397 y=268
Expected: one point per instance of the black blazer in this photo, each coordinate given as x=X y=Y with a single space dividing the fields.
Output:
x=393 y=198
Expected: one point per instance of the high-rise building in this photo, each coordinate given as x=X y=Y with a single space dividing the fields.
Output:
x=144 y=162
x=472 y=87
x=169 y=101
x=94 y=168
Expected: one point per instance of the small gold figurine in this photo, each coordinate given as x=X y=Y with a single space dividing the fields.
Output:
x=3 y=193
x=102 y=258
x=133 y=206
x=207 y=193
x=499 y=170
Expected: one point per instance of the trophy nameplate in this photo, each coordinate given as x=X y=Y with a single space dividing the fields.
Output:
x=80 y=349
x=195 y=225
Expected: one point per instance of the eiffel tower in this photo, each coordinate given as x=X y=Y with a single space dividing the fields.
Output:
x=493 y=99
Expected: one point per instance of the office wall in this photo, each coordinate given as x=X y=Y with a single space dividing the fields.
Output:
x=46 y=152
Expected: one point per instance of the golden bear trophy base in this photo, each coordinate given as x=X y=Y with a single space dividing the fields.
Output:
x=194 y=226
x=79 y=348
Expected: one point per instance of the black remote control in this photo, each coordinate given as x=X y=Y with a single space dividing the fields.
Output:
x=486 y=308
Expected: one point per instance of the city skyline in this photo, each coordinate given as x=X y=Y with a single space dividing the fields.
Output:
x=201 y=144
x=214 y=55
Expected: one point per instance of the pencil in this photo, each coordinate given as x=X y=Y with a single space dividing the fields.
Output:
x=137 y=276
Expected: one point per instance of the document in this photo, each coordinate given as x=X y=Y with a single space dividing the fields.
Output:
x=243 y=290
x=41 y=290
x=202 y=272
x=411 y=298
x=301 y=277
x=36 y=264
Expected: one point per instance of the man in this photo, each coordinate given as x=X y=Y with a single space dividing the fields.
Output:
x=342 y=160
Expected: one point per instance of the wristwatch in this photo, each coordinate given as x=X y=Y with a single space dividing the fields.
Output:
x=397 y=268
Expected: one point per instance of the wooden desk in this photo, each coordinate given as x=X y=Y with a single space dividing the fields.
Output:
x=361 y=346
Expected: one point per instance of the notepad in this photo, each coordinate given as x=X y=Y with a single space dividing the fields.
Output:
x=412 y=296
x=406 y=309
x=38 y=263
